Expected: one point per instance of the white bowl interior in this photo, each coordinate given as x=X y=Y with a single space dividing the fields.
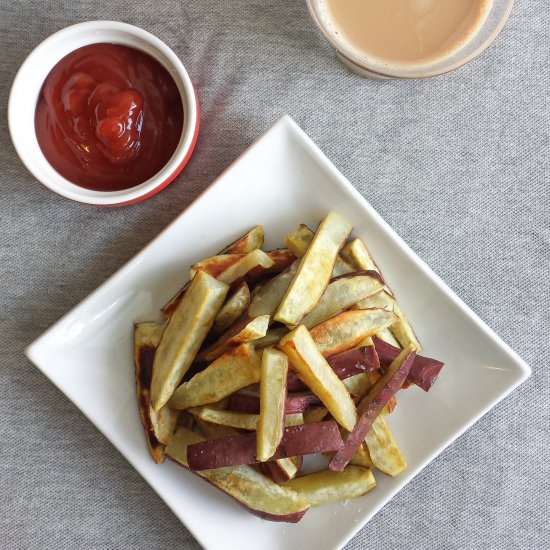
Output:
x=30 y=78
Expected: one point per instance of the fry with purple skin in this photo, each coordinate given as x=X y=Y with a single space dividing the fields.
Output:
x=244 y=265
x=299 y=240
x=354 y=361
x=215 y=264
x=343 y=292
x=267 y=299
x=348 y=329
x=314 y=270
x=283 y=469
x=305 y=439
x=257 y=493
x=231 y=372
x=248 y=402
x=424 y=370
x=233 y=308
x=372 y=404
x=183 y=335
x=248 y=242
x=383 y=449
x=307 y=360
x=158 y=425
x=244 y=330
x=328 y=486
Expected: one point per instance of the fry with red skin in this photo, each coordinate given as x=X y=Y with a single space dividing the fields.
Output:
x=372 y=404
x=241 y=449
x=424 y=371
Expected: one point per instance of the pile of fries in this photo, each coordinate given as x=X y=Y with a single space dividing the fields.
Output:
x=267 y=357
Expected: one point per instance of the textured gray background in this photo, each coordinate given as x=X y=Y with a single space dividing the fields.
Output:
x=459 y=166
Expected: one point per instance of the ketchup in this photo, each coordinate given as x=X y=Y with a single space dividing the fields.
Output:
x=108 y=117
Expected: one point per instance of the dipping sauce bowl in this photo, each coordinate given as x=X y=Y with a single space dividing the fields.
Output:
x=27 y=88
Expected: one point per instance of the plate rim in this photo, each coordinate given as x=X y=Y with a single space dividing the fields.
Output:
x=520 y=375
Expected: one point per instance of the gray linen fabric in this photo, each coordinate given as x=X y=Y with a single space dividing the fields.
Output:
x=458 y=165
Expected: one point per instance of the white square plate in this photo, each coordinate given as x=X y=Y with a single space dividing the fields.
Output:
x=282 y=180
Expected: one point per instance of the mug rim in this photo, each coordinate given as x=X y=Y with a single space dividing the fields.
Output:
x=361 y=65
